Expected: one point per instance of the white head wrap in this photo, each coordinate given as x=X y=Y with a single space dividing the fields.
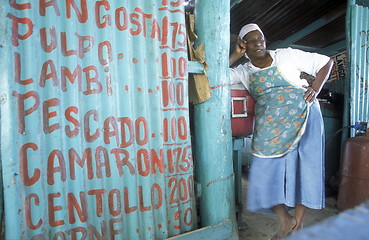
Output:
x=248 y=28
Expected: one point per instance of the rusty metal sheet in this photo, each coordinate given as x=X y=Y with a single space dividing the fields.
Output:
x=95 y=139
x=359 y=66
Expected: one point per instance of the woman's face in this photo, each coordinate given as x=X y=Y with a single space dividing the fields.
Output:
x=255 y=45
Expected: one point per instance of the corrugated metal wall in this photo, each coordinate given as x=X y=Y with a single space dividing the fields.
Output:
x=359 y=62
x=95 y=135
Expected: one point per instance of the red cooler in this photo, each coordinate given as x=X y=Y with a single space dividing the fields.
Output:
x=242 y=111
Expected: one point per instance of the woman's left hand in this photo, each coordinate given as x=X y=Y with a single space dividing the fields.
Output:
x=310 y=94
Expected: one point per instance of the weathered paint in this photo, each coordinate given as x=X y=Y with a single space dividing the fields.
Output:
x=337 y=78
x=219 y=231
x=358 y=35
x=213 y=142
x=195 y=67
x=95 y=135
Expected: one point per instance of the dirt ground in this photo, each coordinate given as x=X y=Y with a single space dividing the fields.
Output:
x=255 y=226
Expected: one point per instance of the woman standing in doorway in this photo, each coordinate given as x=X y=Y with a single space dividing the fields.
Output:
x=287 y=168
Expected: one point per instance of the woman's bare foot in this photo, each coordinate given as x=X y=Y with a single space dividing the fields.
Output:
x=285 y=229
x=299 y=226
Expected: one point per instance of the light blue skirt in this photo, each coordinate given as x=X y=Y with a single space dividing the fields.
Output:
x=295 y=178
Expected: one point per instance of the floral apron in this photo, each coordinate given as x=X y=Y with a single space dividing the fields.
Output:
x=280 y=113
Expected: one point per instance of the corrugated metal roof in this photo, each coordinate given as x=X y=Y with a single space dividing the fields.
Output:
x=331 y=33
x=281 y=19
